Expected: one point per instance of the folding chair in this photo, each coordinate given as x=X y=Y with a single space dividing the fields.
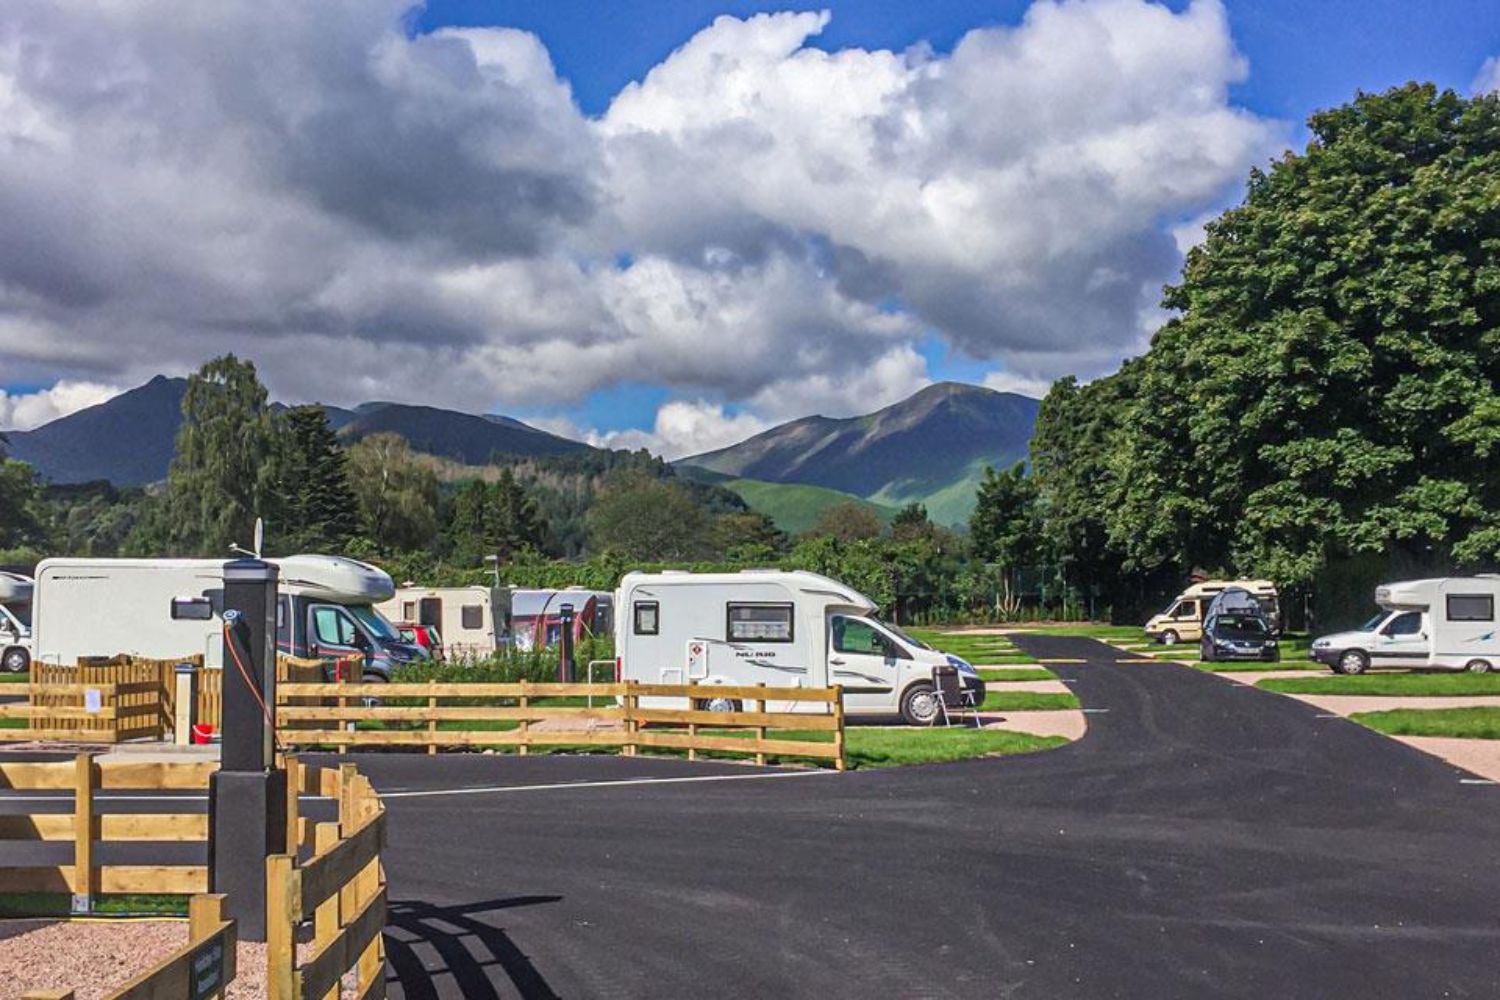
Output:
x=953 y=695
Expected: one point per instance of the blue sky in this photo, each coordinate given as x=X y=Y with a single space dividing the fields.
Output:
x=1303 y=55
x=757 y=234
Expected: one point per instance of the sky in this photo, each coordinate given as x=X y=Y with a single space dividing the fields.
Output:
x=667 y=224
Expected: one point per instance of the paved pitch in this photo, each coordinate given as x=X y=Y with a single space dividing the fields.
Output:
x=1204 y=840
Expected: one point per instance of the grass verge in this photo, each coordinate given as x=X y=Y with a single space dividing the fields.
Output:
x=869 y=746
x=1026 y=701
x=1255 y=667
x=1021 y=674
x=1392 y=685
x=56 y=904
x=1462 y=723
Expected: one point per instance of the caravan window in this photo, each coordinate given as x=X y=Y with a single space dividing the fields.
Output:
x=471 y=616
x=758 y=622
x=1471 y=608
x=647 y=618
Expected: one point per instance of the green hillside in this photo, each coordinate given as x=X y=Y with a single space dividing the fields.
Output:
x=794 y=506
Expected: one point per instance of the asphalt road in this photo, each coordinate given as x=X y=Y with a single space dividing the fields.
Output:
x=1204 y=840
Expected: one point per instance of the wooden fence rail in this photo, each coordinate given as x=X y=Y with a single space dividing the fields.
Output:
x=340 y=888
x=87 y=826
x=526 y=715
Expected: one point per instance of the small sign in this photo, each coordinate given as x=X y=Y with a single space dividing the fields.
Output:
x=206 y=969
x=93 y=701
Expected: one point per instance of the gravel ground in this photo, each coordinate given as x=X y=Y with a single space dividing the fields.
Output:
x=93 y=958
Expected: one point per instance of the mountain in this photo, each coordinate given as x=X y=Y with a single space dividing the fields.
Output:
x=931 y=447
x=794 y=507
x=129 y=438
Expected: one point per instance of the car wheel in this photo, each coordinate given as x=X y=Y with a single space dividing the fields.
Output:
x=370 y=700
x=1478 y=666
x=1206 y=652
x=1169 y=638
x=920 y=706
x=15 y=661
x=1353 y=661
x=717 y=705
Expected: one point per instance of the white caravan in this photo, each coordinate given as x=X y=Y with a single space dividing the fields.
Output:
x=781 y=629
x=1448 y=623
x=162 y=608
x=468 y=619
x=15 y=622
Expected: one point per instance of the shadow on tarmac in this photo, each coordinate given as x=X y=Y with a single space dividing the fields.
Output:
x=449 y=951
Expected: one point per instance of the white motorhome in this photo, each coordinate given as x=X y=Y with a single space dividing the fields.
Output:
x=1447 y=623
x=15 y=622
x=469 y=619
x=1182 y=621
x=163 y=608
x=781 y=629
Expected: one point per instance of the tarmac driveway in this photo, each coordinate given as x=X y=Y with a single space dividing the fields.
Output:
x=1203 y=840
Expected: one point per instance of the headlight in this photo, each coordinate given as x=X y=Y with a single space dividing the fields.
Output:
x=962 y=666
x=1321 y=644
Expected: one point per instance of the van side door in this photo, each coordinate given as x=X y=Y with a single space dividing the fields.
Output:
x=1404 y=641
x=332 y=634
x=866 y=662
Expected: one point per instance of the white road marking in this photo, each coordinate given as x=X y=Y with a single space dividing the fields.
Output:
x=1327 y=716
x=1477 y=781
x=1095 y=711
x=487 y=789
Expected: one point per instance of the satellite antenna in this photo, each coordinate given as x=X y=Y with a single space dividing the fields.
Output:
x=258 y=541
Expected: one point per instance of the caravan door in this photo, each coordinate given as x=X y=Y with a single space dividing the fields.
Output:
x=866 y=662
x=1403 y=641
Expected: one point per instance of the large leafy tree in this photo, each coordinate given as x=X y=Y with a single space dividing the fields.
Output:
x=498 y=518
x=397 y=493
x=1330 y=385
x=1003 y=527
x=318 y=507
x=640 y=516
x=224 y=472
x=22 y=513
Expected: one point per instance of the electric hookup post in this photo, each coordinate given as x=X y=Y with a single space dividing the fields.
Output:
x=565 y=644
x=248 y=796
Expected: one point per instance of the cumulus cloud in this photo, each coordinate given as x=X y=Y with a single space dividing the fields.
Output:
x=1024 y=385
x=765 y=227
x=1488 y=80
x=23 y=411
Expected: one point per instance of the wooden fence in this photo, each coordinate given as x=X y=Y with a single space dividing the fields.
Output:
x=340 y=888
x=87 y=826
x=525 y=715
x=200 y=970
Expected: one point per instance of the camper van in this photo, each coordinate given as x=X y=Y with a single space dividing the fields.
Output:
x=1182 y=621
x=470 y=620
x=15 y=622
x=163 y=608
x=536 y=615
x=1447 y=623
x=781 y=629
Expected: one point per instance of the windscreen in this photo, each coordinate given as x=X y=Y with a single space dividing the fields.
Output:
x=20 y=612
x=898 y=633
x=1374 y=623
x=375 y=623
x=1240 y=627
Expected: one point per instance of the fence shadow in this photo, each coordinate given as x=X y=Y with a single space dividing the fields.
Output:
x=450 y=951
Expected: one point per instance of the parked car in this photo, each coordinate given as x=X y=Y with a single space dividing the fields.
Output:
x=1448 y=623
x=423 y=637
x=1182 y=621
x=1236 y=628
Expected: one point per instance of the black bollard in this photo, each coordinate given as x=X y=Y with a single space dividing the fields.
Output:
x=248 y=796
x=565 y=670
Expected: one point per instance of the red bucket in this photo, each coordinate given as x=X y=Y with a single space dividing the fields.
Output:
x=203 y=733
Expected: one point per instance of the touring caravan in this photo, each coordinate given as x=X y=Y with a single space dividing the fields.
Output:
x=469 y=620
x=781 y=629
x=1182 y=621
x=163 y=608
x=15 y=622
x=536 y=615
x=1447 y=623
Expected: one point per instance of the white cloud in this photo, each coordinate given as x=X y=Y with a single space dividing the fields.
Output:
x=1025 y=385
x=1488 y=80
x=23 y=411
x=764 y=227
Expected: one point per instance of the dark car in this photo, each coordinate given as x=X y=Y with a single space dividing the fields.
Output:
x=1236 y=628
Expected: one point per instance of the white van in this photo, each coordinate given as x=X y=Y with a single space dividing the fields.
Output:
x=15 y=622
x=469 y=619
x=1447 y=623
x=164 y=608
x=781 y=629
x=1182 y=621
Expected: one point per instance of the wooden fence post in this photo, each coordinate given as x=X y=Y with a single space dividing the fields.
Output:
x=840 y=762
x=525 y=728
x=432 y=729
x=760 y=731
x=206 y=914
x=327 y=919
x=84 y=782
x=632 y=721
x=49 y=995
x=293 y=768
x=283 y=908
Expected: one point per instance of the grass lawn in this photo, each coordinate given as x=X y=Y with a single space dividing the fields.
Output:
x=870 y=746
x=1388 y=684
x=1465 y=723
x=1004 y=676
x=1026 y=701
x=56 y=904
x=1254 y=666
x=1087 y=630
x=8 y=678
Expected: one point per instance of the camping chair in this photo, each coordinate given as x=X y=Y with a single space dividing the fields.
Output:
x=952 y=695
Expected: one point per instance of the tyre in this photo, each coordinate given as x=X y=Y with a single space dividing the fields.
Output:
x=370 y=700
x=15 y=661
x=920 y=706
x=1478 y=666
x=717 y=705
x=1352 y=661
x=1206 y=652
x=1169 y=638
x=1274 y=656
